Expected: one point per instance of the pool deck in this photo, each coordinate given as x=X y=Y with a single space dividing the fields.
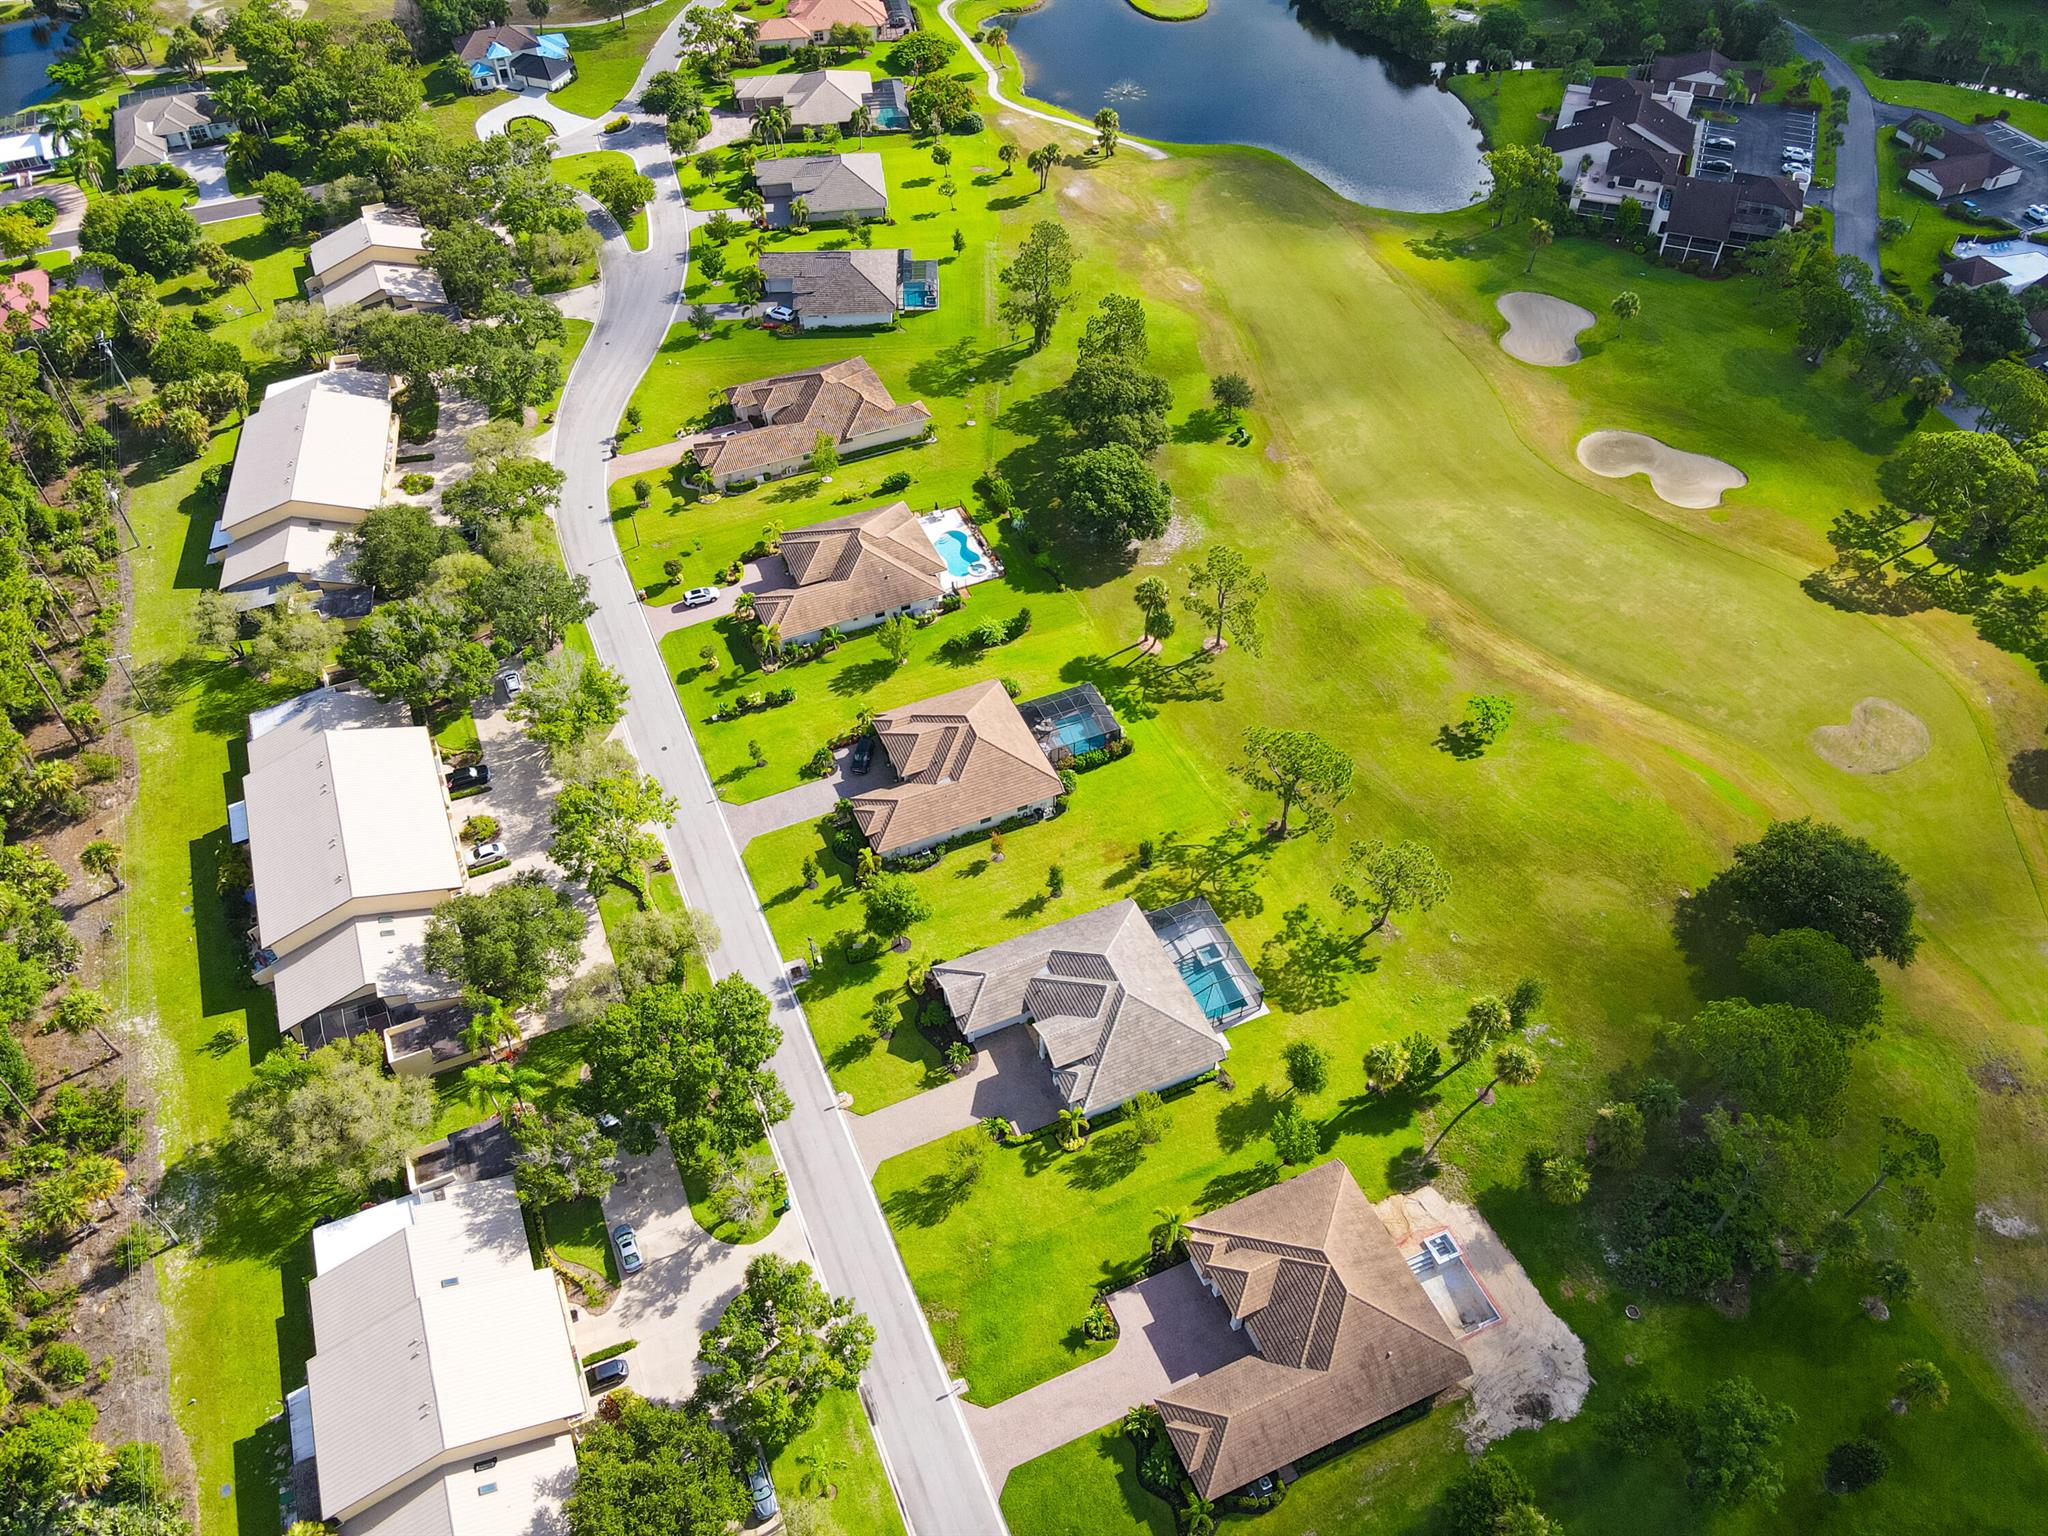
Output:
x=937 y=525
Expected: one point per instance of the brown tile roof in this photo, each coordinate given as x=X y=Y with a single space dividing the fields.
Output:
x=807 y=16
x=1972 y=272
x=515 y=38
x=961 y=758
x=1108 y=1002
x=843 y=400
x=851 y=567
x=1344 y=1332
x=1966 y=162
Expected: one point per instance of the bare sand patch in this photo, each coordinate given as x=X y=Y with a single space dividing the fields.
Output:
x=1879 y=738
x=1541 y=329
x=1684 y=479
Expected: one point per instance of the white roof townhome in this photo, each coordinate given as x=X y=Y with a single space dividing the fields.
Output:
x=350 y=848
x=312 y=461
x=444 y=1385
x=376 y=260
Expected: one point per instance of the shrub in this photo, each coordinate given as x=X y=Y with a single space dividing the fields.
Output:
x=618 y=124
x=66 y=1364
x=1852 y=1466
x=820 y=764
x=1295 y=1136
x=479 y=829
x=1100 y=1323
x=416 y=484
x=1012 y=687
x=967 y=123
x=898 y=480
x=98 y=767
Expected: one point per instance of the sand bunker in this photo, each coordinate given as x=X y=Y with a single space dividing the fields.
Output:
x=1879 y=738
x=1542 y=330
x=1683 y=479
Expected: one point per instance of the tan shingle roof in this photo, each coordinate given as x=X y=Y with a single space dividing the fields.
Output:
x=814 y=99
x=851 y=567
x=1112 y=1010
x=961 y=758
x=1344 y=1332
x=321 y=439
x=842 y=400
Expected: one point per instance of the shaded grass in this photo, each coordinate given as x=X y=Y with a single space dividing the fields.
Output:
x=704 y=1206
x=575 y=1229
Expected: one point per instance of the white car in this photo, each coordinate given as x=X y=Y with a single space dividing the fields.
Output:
x=697 y=597
x=781 y=314
x=2038 y=213
x=486 y=853
x=1794 y=152
x=1720 y=141
x=510 y=683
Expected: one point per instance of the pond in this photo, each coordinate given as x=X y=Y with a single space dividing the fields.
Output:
x=24 y=64
x=1258 y=72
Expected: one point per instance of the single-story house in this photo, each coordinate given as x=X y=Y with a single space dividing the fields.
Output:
x=831 y=186
x=351 y=847
x=1704 y=76
x=964 y=761
x=1343 y=1332
x=151 y=126
x=818 y=98
x=27 y=153
x=853 y=572
x=444 y=1386
x=779 y=420
x=1956 y=162
x=312 y=461
x=2019 y=264
x=850 y=287
x=1707 y=219
x=377 y=261
x=26 y=292
x=1112 y=1011
x=512 y=58
x=812 y=21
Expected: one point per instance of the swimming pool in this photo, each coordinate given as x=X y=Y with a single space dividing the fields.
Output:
x=1207 y=975
x=959 y=552
x=1078 y=733
x=920 y=295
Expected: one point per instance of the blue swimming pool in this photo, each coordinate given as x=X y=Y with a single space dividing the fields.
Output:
x=959 y=552
x=1078 y=733
x=1208 y=976
x=920 y=295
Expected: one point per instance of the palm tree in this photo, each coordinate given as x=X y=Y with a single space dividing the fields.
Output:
x=1514 y=1065
x=1921 y=1381
x=771 y=121
x=1007 y=153
x=1073 y=1127
x=89 y=162
x=751 y=203
x=799 y=216
x=1172 y=1232
x=102 y=859
x=1197 y=1514
x=65 y=123
x=1540 y=235
x=1042 y=160
x=82 y=1467
x=997 y=39
x=1141 y=1421
x=862 y=120
x=187 y=50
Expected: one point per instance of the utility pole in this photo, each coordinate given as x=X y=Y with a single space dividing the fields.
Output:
x=76 y=739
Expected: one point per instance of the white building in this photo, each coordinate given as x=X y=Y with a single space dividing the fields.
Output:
x=375 y=261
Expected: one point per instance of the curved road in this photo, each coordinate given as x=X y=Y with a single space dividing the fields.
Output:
x=1855 y=202
x=937 y=1476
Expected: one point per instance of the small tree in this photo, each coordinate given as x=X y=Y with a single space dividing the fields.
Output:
x=894 y=635
x=1385 y=878
x=1308 y=1066
x=1909 y=1155
x=1295 y=1137
x=1386 y=1065
x=1540 y=235
x=1486 y=718
x=1855 y=1464
x=1155 y=603
x=1306 y=772
x=1170 y=1233
x=892 y=904
x=1625 y=306
x=1513 y=1065
x=824 y=456
x=1107 y=131
x=1563 y=1180
x=1232 y=393
x=1224 y=592
x=1073 y=1128
x=1149 y=1118
x=1921 y=1384
x=102 y=860
x=1055 y=881
x=1728 y=1449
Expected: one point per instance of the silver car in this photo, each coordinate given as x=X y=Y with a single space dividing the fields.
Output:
x=629 y=1249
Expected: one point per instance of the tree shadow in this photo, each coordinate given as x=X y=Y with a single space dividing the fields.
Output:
x=862 y=677
x=1459 y=743
x=928 y=1203
x=1109 y=1158
x=1304 y=966
x=1030 y=906
x=1247 y=1117
x=1238 y=1183
x=1224 y=871
x=2027 y=773
x=1444 y=246
x=1202 y=426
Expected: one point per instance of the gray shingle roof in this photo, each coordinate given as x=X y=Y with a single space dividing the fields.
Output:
x=818 y=284
x=142 y=120
x=828 y=184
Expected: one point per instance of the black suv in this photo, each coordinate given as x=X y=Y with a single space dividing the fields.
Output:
x=863 y=753
x=474 y=776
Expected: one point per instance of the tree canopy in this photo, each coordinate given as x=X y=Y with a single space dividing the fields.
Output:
x=647 y=1469
x=780 y=1345
x=1806 y=874
x=335 y=1117
x=511 y=942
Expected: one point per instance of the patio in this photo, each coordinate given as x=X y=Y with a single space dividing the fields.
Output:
x=960 y=544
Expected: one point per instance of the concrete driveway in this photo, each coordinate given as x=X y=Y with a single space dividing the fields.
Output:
x=209 y=168
x=1169 y=1329
x=687 y=1278
x=532 y=104
x=808 y=801
x=1008 y=1080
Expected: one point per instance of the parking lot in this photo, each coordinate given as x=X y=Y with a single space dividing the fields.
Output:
x=1761 y=133
x=2031 y=156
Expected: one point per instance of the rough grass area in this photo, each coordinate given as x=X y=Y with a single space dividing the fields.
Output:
x=608 y=59
x=833 y=1473
x=1960 y=102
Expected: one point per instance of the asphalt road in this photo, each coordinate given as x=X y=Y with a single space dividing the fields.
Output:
x=923 y=1436
x=1855 y=202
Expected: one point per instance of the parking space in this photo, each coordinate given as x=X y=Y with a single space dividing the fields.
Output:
x=2027 y=152
x=1755 y=143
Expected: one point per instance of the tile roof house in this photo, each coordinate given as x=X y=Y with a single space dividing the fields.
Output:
x=444 y=1385
x=511 y=58
x=311 y=462
x=1707 y=218
x=964 y=760
x=1618 y=140
x=2019 y=264
x=1108 y=1009
x=817 y=98
x=350 y=849
x=151 y=126
x=376 y=261
x=26 y=292
x=780 y=419
x=851 y=573
x=1344 y=1333
x=812 y=21
x=1957 y=162
x=851 y=287
x=831 y=186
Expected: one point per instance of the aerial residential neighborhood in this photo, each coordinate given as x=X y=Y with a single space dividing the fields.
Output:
x=1113 y=768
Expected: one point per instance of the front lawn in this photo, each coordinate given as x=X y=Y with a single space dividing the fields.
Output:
x=833 y=1473
x=1915 y=258
x=576 y=1231
x=577 y=171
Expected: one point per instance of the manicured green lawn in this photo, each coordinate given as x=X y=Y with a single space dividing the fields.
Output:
x=577 y=171
x=834 y=1474
x=1171 y=10
x=704 y=1207
x=1516 y=106
x=608 y=60
x=1916 y=257
x=575 y=1230
x=1957 y=101
x=457 y=733
x=280 y=271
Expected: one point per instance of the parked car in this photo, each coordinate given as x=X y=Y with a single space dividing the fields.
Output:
x=486 y=853
x=629 y=1248
x=1969 y=205
x=606 y=1374
x=1794 y=168
x=761 y=1489
x=863 y=753
x=2038 y=213
x=781 y=314
x=1720 y=141
x=607 y=1122
x=1797 y=152
x=1718 y=166
x=697 y=597
x=472 y=777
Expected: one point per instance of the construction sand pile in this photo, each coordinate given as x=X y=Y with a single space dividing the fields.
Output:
x=1681 y=478
x=1542 y=330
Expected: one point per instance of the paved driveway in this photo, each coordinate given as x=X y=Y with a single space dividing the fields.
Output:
x=1008 y=1080
x=808 y=801
x=1169 y=1329
x=685 y=1283
x=209 y=168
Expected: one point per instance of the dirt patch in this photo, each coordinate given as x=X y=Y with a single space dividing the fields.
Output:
x=1879 y=738
x=2006 y=1223
x=2000 y=1075
x=1184 y=281
x=1691 y=480
x=1528 y=1368
x=1541 y=329
x=1160 y=551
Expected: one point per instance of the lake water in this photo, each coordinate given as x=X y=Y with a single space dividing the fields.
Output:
x=1257 y=72
x=23 y=65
